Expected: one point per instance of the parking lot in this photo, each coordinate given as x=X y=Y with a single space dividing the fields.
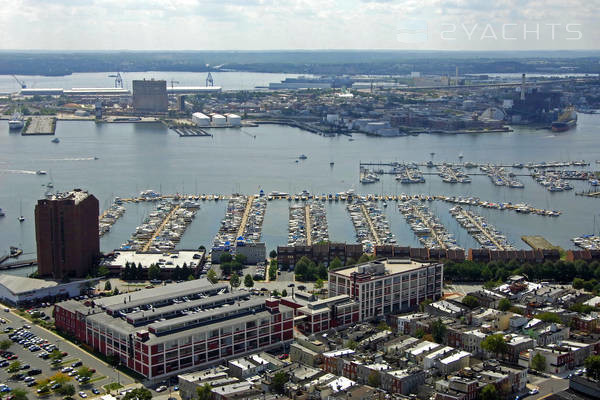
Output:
x=30 y=342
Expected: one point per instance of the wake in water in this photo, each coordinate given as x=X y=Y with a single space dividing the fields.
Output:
x=17 y=171
x=72 y=159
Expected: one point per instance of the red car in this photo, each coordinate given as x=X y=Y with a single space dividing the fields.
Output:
x=12 y=357
x=64 y=354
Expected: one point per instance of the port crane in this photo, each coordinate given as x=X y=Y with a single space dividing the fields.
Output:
x=21 y=83
x=172 y=82
x=209 y=80
x=118 y=80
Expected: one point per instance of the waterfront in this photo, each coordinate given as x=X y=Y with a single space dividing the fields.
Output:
x=134 y=157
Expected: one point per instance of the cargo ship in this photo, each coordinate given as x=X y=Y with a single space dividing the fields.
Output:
x=567 y=120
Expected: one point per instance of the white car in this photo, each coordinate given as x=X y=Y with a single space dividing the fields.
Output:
x=82 y=395
x=161 y=389
x=533 y=391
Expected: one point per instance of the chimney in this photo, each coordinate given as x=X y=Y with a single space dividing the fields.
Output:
x=522 y=87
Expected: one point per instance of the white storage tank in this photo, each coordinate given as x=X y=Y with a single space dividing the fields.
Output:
x=218 y=120
x=234 y=120
x=200 y=119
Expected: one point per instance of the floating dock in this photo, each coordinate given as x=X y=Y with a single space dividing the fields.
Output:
x=160 y=227
x=538 y=243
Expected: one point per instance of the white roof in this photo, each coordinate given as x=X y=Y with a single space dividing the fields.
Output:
x=423 y=347
x=455 y=357
x=338 y=353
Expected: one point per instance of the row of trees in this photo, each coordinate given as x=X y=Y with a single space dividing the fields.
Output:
x=230 y=264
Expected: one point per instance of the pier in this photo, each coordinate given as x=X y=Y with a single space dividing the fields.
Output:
x=160 y=228
x=308 y=225
x=537 y=242
x=39 y=125
x=244 y=221
x=371 y=226
x=428 y=224
x=474 y=225
x=191 y=132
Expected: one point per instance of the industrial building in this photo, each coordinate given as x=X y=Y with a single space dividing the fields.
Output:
x=387 y=286
x=200 y=119
x=67 y=235
x=179 y=327
x=21 y=291
x=150 y=96
x=233 y=120
x=218 y=120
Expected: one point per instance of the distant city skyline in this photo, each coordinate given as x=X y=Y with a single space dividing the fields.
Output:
x=299 y=24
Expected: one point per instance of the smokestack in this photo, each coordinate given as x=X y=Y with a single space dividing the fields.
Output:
x=523 y=87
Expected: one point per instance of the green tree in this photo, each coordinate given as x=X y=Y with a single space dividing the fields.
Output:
x=578 y=283
x=538 y=362
x=419 y=333
x=424 y=304
x=273 y=271
x=489 y=392
x=350 y=261
x=66 y=390
x=364 y=258
x=234 y=281
x=280 y=378
x=19 y=394
x=352 y=345
x=504 y=304
x=548 y=317
x=154 y=272
x=470 y=301
x=319 y=284
x=284 y=293
x=336 y=263
x=494 y=344
x=5 y=344
x=14 y=366
x=383 y=326
x=204 y=392
x=107 y=286
x=273 y=254
x=374 y=379
x=85 y=371
x=241 y=259
x=248 y=281
x=592 y=366
x=438 y=331
x=225 y=258
x=139 y=394
x=56 y=354
x=211 y=275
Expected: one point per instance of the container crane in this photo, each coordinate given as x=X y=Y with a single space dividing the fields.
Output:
x=209 y=80
x=172 y=82
x=118 y=80
x=21 y=83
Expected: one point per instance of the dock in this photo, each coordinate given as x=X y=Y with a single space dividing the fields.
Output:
x=591 y=193
x=39 y=125
x=483 y=230
x=191 y=132
x=538 y=242
x=429 y=225
x=244 y=221
x=160 y=228
x=370 y=223
x=308 y=225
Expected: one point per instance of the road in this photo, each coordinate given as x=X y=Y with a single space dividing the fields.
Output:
x=550 y=386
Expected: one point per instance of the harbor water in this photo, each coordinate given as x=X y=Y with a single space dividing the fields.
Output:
x=123 y=159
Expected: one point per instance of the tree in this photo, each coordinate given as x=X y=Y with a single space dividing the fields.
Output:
x=278 y=382
x=284 y=293
x=319 y=284
x=578 y=283
x=234 y=281
x=14 y=366
x=419 y=333
x=383 y=326
x=107 y=286
x=489 y=392
x=19 y=394
x=374 y=379
x=66 y=390
x=470 y=301
x=592 y=366
x=504 y=304
x=364 y=258
x=248 y=281
x=204 y=392
x=211 y=275
x=154 y=272
x=56 y=354
x=139 y=394
x=494 y=344
x=85 y=371
x=352 y=345
x=5 y=344
x=273 y=271
x=438 y=331
x=241 y=259
x=273 y=254
x=549 y=317
x=225 y=258
x=115 y=291
x=424 y=304
x=335 y=263
x=538 y=362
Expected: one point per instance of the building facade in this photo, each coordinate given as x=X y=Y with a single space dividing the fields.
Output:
x=67 y=236
x=150 y=96
x=387 y=286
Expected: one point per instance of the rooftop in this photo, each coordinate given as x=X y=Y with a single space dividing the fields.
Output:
x=382 y=267
x=178 y=258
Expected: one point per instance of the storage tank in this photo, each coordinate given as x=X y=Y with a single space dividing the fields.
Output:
x=218 y=120
x=200 y=119
x=234 y=120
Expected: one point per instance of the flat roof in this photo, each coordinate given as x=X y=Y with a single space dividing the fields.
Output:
x=21 y=285
x=455 y=357
x=147 y=259
x=391 y=266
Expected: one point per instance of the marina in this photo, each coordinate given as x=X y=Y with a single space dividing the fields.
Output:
x=452 y=174
x=485 y=234
x=316 y=223
x=408 y=173
x=190 y=132
x=110 y=216
x=431 y=232
x=500 y=177
x=297 y=232
x=370 y=224
x=588 y=242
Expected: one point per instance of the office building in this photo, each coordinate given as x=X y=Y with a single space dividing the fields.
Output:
x=387 y=286
x=179 y=327
x=67 y=236
x=150 y=96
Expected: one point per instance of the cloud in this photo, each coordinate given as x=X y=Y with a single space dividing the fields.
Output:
x=289 y=24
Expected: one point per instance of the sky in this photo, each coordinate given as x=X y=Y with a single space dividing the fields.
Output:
x=300 y=24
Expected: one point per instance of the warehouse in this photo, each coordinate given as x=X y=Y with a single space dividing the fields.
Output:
x=20 y=291
x=178 y=327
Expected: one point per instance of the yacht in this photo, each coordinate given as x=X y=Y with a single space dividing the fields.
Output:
x=40 y=172
x=55 y=140
x=16 y=121
x=2 y=214
x=302 y=157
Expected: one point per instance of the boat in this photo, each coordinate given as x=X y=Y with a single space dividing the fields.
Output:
x=331 y=164
x=302 y=157
x=2 y=214
x=50 y=185
x=40 y=172
x=16 y=121
x=15 y=252
x=567 y=120
x=55 y=140
x=21 y=218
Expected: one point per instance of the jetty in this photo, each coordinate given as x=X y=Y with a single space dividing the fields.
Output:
x=160 y=228
x=244 y=221
x=308 y=225
x=191 y=132
x=537 y=242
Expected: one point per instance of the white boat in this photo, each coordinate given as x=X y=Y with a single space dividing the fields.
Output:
x=40 y=172
x=16 y=121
